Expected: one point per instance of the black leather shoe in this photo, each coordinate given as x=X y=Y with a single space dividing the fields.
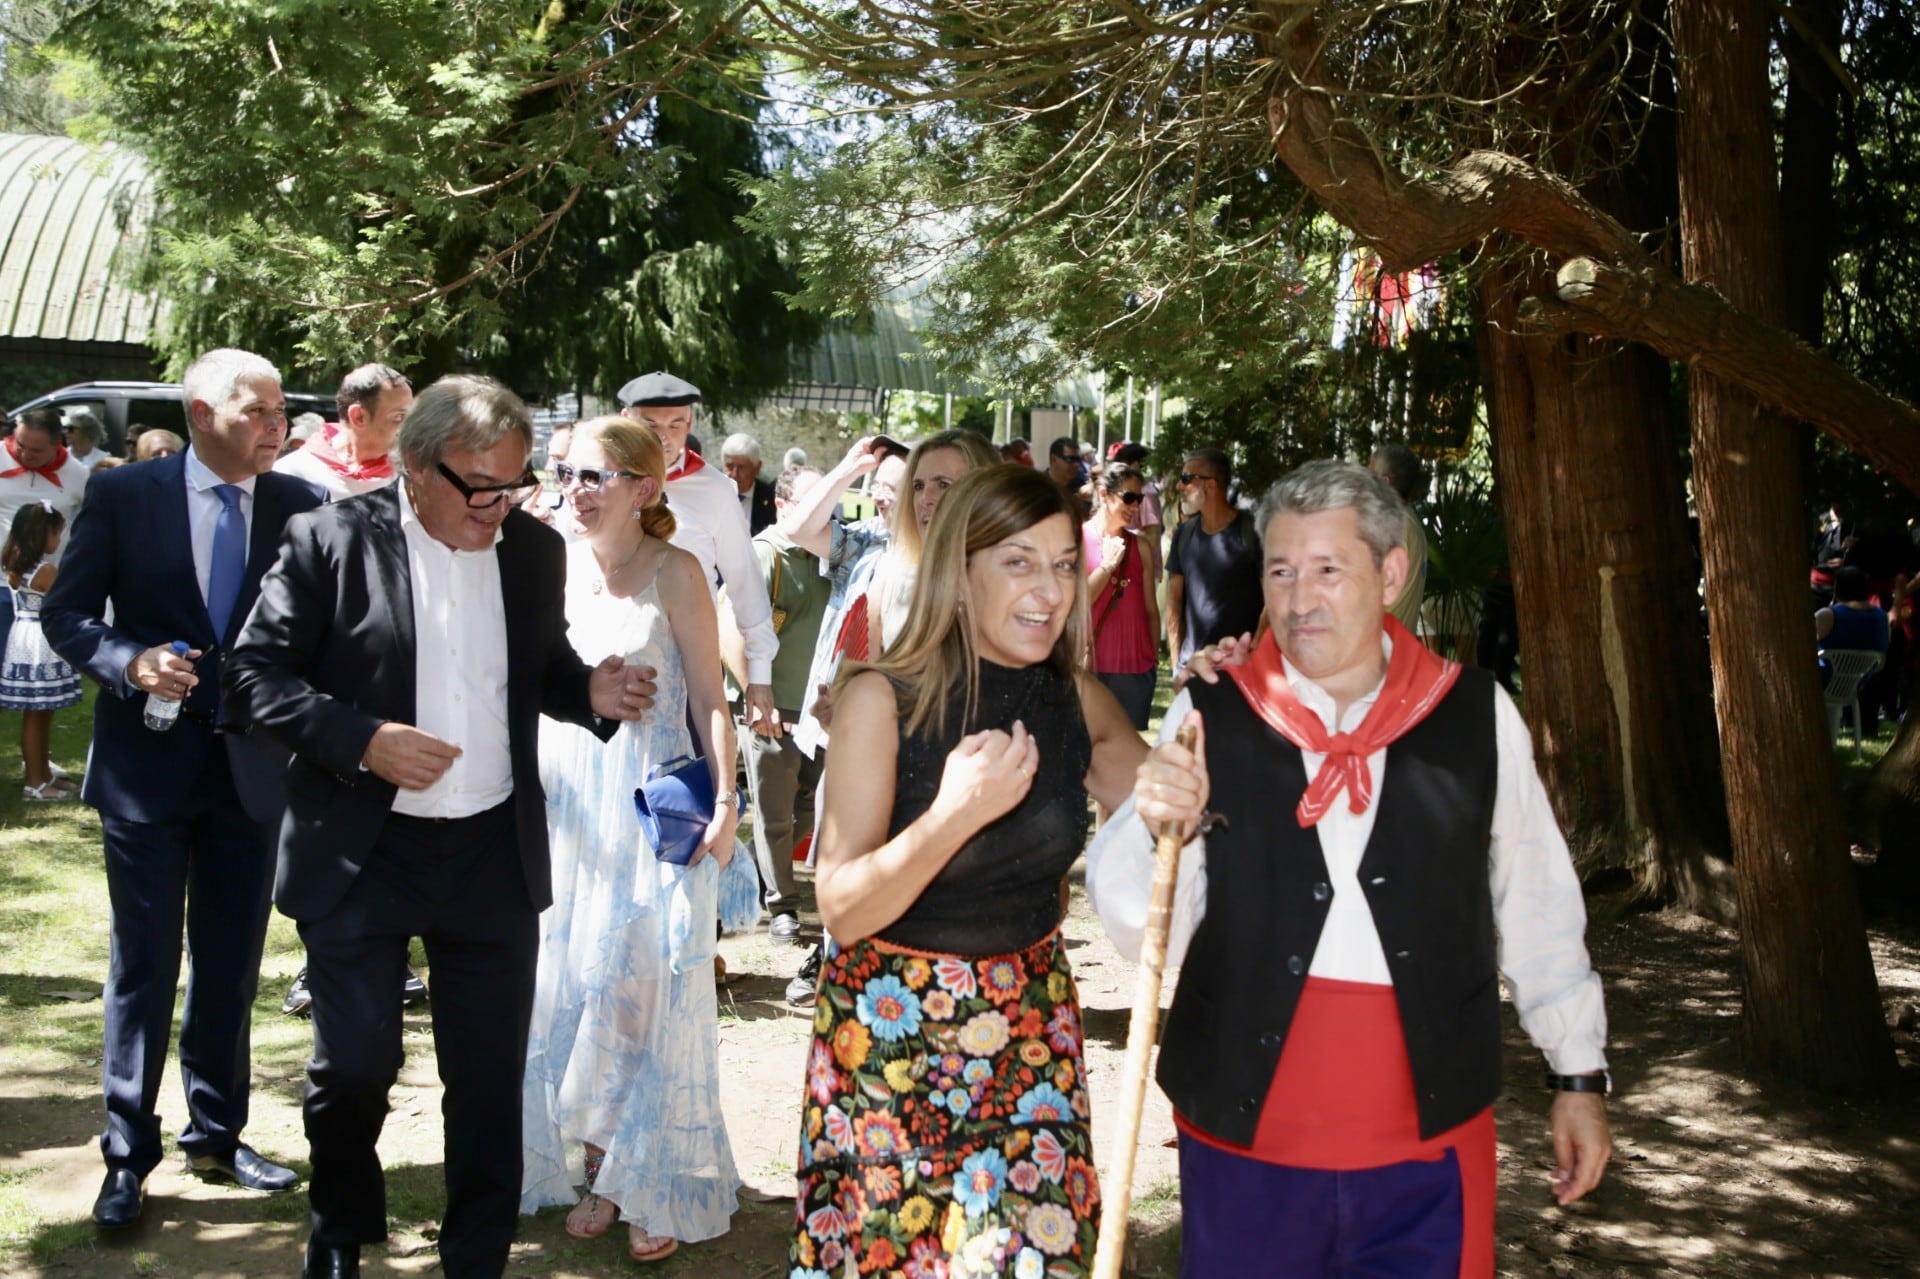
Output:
x=324 y=1261
x=785 y=927
x=413 y=991
x=245 y=1167
x=299 y=1000
x=120 y=1200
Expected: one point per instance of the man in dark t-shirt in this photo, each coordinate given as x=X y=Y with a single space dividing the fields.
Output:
x=1213 y=570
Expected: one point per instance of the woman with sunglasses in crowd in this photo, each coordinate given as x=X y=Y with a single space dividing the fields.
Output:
x=1125 y=620
x=622 y=1088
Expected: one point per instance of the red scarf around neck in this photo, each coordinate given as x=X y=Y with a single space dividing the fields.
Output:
x=689 y=463
x=51 y=470
x=321 y=446
x=1417 y=678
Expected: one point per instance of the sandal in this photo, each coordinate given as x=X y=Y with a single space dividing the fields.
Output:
x=51 y=791
x=593 y=1224
x=642 y=1246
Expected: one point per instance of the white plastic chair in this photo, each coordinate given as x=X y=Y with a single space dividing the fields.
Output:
x=1851 y=668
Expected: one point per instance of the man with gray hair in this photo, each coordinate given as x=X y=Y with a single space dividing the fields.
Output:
x=175 y=548
x=1379 y=853
x=405 y=646
x=740 y=458
x=351 y=456
x=84 y=436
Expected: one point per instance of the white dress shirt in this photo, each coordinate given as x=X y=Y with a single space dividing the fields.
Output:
x=460 y=671
x=711 y=525
x=31 y=486
x=203 y=513
x=1539 y=914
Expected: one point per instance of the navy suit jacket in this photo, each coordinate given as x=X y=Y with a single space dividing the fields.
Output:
x=328 y=656
x=764 y=512
x=130 y=546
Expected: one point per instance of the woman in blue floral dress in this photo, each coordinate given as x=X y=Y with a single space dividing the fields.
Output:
x=622 y=1084
x=944 y=1130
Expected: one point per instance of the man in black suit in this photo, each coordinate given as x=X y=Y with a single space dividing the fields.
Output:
x=740 y=458
x=404 y=647
x=188 y=816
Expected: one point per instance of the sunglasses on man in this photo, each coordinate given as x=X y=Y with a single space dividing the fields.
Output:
x=1193 y=477
x=481 y=496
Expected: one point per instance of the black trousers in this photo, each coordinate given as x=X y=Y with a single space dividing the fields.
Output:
x=207 y=872
x=458 y=886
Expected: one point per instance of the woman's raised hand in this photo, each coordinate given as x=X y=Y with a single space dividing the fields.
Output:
x=987 y=775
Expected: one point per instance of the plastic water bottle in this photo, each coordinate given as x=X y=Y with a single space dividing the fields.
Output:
x=161 y=712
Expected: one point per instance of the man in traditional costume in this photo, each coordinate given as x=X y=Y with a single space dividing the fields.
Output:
x=1381 y=854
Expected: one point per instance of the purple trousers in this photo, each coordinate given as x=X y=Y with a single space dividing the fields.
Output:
x=1254 y=1220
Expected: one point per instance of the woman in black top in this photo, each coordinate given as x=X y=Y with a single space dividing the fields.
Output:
x=946 y=1108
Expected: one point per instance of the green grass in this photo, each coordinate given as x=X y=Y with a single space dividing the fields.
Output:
x=54 y=945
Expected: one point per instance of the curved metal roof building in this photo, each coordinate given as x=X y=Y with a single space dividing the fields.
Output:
x=73 y=222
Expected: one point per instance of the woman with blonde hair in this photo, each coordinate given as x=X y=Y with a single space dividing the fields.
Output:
x=945 y=1117
x=622 y=1089
x=935 y=465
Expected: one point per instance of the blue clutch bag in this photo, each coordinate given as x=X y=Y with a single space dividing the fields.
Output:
x=675 y=805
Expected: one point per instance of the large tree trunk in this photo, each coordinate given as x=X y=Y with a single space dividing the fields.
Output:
x=1623 y=728
x=1812 y=1009
x=1603 y=575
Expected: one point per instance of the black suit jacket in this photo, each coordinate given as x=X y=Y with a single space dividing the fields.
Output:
x=328 y=656
x=764 y=512
x=131 y=547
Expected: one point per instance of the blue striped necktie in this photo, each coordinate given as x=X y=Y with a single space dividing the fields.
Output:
x=229 y=564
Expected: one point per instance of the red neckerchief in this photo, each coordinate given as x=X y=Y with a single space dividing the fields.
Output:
x=1417 y=678
x=321 y=447
x=853 y=640
x=689 y=463
x=51 y=470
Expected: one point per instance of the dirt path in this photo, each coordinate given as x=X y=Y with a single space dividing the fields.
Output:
x=1715 y=1176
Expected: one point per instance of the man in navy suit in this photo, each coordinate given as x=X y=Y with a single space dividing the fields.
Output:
x=405 y=645
x=188 y=816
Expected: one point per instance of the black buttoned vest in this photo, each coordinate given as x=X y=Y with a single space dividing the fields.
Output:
x=1424 y=875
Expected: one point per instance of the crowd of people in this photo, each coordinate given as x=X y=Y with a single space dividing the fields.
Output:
x=399 y=685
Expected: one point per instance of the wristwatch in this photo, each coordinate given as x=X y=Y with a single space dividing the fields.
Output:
x=1600 y=1082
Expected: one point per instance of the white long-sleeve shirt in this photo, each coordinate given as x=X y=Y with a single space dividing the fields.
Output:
x=460 y=671
x=712 y=528
x=1539 y=913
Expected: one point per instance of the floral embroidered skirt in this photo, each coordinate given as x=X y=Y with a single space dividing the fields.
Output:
x=945 y=1128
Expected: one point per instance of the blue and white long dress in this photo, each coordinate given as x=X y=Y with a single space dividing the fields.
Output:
x=32 y=676
x=625 y=1042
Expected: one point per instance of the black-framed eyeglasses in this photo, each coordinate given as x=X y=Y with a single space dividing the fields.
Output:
x=590 y=478
x=1069 y=457
x=481 y=496
x=1193 y=477
x=1131 y=499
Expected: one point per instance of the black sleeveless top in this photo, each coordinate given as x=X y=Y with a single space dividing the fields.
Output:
x=1001 y=891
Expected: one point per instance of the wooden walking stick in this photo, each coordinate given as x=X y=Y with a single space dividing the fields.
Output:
x=1117 y=1185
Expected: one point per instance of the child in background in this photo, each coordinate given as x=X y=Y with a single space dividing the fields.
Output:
x=33 y=678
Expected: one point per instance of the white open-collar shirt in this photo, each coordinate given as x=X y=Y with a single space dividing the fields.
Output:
x=460 y=670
